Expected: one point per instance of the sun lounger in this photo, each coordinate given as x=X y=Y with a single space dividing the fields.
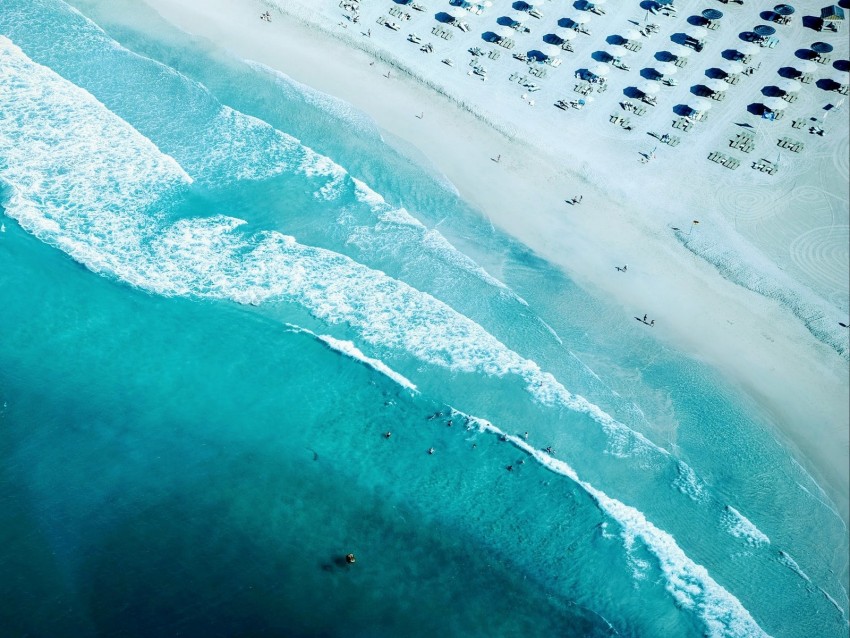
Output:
x=731 y=163
x=534 y=13
x=493 y=55
x=414 y=38
x=418 y=7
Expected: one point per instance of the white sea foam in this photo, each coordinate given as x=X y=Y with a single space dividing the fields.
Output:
x=87 y=182
x=790 y=563
x=687 y=482
x=690 y=584
x=350 y=350
x=741 y=527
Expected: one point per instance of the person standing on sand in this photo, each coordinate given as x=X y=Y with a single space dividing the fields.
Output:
x=644 y=318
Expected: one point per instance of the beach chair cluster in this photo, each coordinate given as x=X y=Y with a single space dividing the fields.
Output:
x=766 y=166
x=743 y=142
x=523 y=80
x=502 y=41
x=806 y=78
x=631 y=107
x=538 y=72
x=800 y=122
x=683 y=123
x=443 y=33
x=398 y=13
x=666 y=138
x=792 y=145
x=386 y=22
x=624 y=122
x=570 y=104
x=724 y=160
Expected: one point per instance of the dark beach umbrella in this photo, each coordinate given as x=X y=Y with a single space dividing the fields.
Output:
x=821 y=47
x=783 y=9
x=712 y=14
x=764 y=30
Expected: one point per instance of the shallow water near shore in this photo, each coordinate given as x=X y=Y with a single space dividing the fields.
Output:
x=181 y=454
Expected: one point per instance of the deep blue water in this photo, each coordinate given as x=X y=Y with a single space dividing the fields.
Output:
x=205 y=267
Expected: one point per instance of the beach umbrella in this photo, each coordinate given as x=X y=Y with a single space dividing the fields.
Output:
x=821 y=47
x=631 y=35
x=551 y=51
x=520 y=17
x=699 y=105
x=487 y=3
x=598 y=2
x=842 y=78
x=748 y=48
x=458 y=12
x=805 y=66
x=665 y=68
x=730 y=67
x=616 y=51
x=649 y=87
x=582 y=18
x=775 y=103
x=764 y=30
x=718 y=86
x=783 y=9
x=680 y=51
x=712 y=14
x=697 y=33
x=600 y=70
x=789 y=86
x=504 y=32
x=566 y=34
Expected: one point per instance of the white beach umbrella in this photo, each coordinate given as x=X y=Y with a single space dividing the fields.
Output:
x=520 y=17
x=582 y=18
x=600 y=70
x=551 y=51
x=775 y=103
x=718 y=86
x=458 y=12
x=486 y=3
x=566 y=34
x=805 y=66
x=631 y=35
x=699 y=105
x=680 y=51
x=748 y=48
x=665 y=68
x=504 y=32
x=842 y=78
x=649 y=87
x=731 y=67
x=598 y=2
x=697 y=33
x=616 y=51
x=789 y=86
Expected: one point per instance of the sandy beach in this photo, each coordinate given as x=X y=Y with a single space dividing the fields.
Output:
x=789 y=228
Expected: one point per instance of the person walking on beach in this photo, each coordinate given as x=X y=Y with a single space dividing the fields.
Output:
x=652 y=323
x=368 y=33
x=498 y=158
x=644 y=318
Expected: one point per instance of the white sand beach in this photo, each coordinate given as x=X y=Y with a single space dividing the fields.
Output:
x=786 y=234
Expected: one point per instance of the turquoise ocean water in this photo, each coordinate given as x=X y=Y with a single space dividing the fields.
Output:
x=219 y=289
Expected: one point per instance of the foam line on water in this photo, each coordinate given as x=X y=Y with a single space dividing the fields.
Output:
x=92 y=188
x=689 y=583
x=741 y=527
x=348 y=349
